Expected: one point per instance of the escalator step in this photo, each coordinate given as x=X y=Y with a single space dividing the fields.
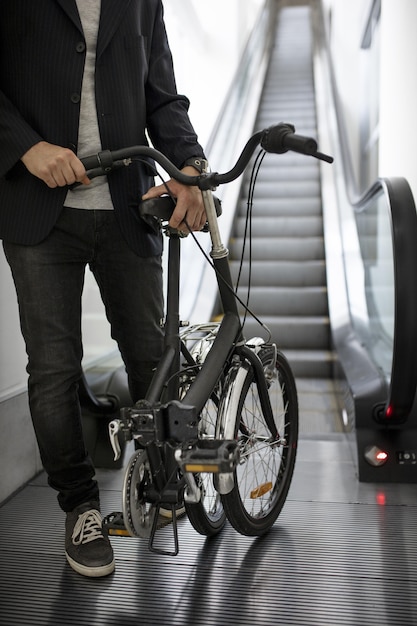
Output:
x=284 y=273
x=281 y=226
x=281 y=248
x=287 y=301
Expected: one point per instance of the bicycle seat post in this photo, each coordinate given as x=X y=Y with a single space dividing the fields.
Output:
x=218 y=250
x=220 y=255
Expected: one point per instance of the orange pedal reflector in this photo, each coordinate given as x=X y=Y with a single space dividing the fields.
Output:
x=260 y=491
x=118 y=532
x=196 y=468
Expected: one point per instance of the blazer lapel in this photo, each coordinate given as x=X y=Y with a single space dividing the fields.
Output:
x=70 y=8
x=111 y=14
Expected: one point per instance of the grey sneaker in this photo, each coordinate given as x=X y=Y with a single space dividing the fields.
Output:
x=87 y=546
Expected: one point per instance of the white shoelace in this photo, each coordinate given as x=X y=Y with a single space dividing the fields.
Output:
x=87 y=528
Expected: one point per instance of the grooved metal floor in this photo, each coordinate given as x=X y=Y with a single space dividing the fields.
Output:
x=341 y=553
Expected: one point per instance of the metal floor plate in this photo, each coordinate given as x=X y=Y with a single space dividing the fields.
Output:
x=340 y=553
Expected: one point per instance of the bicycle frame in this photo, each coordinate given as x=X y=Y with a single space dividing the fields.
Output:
x=179 y=416
x=164 y=428
x=165 y=423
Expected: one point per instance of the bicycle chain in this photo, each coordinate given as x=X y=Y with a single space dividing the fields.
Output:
x=127 y=510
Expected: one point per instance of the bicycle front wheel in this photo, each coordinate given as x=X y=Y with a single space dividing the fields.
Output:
x=263 y=475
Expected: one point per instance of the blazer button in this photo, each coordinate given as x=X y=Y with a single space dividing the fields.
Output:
x=80 y=47
x=75 y=98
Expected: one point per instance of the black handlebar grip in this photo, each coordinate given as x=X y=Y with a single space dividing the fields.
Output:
x=90 y=162
x=103 y=160
x=281 y=138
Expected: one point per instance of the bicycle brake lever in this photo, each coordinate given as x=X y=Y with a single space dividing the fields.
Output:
x=271 y=368
x=114 y=429
x=99 y=171
x=91 y=174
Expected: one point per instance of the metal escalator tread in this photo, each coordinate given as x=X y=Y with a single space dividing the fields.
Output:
x=287 y=216
x=309 y=569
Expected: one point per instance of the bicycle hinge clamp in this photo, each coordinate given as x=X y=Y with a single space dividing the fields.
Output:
x=173 y=421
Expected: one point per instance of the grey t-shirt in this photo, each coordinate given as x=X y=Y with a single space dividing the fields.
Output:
x=97 y=194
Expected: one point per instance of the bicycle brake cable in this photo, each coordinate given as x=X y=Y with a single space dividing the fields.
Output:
x=248 y=311
x=229 y=287
x=248 y=227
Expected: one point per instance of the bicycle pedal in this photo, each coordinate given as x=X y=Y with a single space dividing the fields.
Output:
x=115 y=526
x=209 y=456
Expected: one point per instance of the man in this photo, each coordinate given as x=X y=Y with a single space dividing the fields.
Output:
x=78 y=76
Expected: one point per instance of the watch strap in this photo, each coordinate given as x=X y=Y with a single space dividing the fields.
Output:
x=199 y=163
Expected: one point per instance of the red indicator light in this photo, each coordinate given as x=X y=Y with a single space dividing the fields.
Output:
x=381 y=499
x=375 y=456
x=389 y=411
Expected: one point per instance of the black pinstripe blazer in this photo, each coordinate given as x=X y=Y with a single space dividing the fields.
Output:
x=42 y=55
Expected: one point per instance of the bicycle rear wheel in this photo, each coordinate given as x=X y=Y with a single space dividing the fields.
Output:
x=207 y=516
x=264 y=473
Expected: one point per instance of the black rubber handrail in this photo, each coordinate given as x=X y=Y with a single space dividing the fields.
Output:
x=403 y=218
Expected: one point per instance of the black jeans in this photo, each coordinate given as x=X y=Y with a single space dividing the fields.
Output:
x=49 y=279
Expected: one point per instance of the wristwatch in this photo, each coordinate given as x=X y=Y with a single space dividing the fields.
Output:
x=199 y=163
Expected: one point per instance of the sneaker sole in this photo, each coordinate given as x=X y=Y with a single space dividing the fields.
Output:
x=92 y=572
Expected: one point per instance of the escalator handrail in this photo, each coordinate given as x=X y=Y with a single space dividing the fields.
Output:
x=403 y=220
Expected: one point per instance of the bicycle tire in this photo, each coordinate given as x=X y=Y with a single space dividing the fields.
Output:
x=263 y=476
x=206 y=516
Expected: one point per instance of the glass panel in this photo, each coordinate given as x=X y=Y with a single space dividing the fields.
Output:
x=372 y=291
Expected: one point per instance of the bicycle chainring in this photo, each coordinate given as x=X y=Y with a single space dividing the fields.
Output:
x=138 y=515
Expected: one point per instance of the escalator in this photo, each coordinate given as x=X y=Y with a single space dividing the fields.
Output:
x=371 y=267
x=287 y=275
x=330 y=274
x=333 y=275
x=288 y=278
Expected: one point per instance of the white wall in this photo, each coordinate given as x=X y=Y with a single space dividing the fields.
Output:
x=396 y=82
x=398 y=91
x=347 y=23
x=207 y=39
x=12 y=352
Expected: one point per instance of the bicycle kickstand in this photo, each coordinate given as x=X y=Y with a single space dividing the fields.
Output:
x=157 y=526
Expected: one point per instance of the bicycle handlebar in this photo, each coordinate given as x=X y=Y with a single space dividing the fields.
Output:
x=282 y=137
x=275 y=139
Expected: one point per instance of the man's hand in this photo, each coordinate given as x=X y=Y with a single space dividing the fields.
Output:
x=189 y=207
x=54 y=165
